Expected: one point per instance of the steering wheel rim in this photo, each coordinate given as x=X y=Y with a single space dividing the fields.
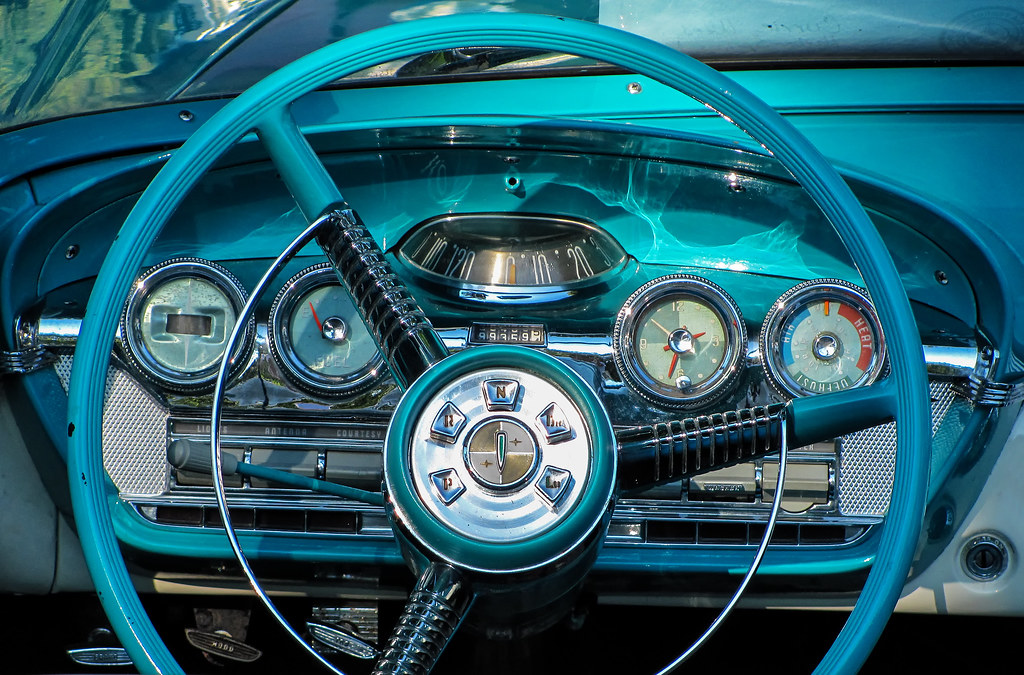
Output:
x=266 y=107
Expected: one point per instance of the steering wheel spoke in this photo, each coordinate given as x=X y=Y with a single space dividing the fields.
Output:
x=813 y=419
x=436 y=607
x=408 y=342
x=300 y=168
x=405 y=336
x=667 y=451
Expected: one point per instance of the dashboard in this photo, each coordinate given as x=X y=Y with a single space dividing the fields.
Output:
x=679 y=275
x=765 y=308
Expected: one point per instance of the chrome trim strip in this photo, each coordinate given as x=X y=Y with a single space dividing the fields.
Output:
x=61 y=330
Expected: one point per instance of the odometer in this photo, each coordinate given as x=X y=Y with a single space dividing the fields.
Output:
x=536 y=255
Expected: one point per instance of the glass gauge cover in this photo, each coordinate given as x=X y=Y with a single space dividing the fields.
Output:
x=822 y=336
x=679 y=341
x=319 y=339
x=511 y=257
x=177 y=321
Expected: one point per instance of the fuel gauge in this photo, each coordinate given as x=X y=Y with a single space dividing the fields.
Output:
x=822 y=336
x=319 y=338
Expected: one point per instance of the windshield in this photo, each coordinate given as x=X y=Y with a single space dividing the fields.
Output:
x=59 y=59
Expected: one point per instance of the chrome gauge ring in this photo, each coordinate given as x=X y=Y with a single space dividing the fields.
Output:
x=679 y=341
x=318 y=338
x=822 y=336
x=177 y=320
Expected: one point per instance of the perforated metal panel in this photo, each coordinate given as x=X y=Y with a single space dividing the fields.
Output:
x=134 y=433
x=867 y=460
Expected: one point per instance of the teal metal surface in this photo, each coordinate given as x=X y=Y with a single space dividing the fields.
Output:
x=531 y=553
x=152 y=211
x=144 y=53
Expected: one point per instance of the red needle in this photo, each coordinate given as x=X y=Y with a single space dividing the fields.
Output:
x=699 y=335
x=672 y=366
x=315 y=317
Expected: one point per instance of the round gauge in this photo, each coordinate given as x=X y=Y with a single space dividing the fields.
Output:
x=821 y=336
x=511 y=257
x=679 y=341
x=178 y=319
x=319 y=338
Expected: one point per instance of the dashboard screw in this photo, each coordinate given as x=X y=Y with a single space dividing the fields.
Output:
x=634 y=88
x=186 y=116
x=71 y=251
x=941 y=277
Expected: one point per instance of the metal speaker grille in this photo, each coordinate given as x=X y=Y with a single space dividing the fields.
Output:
x=867 y=460
x=134 y=433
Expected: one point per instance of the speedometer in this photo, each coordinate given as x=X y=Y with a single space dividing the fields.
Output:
x=512 y=257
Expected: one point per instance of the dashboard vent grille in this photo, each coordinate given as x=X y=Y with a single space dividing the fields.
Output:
x=319 y=520
x=134 y=432
x=736 y=533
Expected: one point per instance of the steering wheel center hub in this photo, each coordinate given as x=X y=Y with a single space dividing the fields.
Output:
x=499 y=459
x=499 y=454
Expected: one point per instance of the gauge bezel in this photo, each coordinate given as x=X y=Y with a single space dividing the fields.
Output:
x=134 y=344
x=656 y=291
x=294 y=290
x=793 y=300
x=515 y=293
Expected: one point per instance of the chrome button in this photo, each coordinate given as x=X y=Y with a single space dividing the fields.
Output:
x=553 y=483
x=447 y=424
x=554 y=425
x=448 y=485
x=501 y=394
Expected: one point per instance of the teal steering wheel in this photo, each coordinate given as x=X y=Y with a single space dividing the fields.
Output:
x=265 y=108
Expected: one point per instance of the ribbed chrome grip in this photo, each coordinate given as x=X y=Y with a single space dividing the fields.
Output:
x=434 y=610
x=405 y=336
x=672 y=450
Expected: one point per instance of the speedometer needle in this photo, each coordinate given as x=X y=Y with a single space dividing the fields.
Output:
x=672 y=366
x=319 y=325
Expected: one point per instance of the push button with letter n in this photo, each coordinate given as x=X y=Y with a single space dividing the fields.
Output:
x=500 y=394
